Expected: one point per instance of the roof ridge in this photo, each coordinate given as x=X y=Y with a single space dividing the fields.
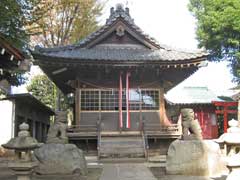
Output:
x=119 y=12
x=115 y=13
x=184 y=50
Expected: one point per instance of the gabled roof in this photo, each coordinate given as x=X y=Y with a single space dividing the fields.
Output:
x=115 y=16
x=30 y=100
x=120 y=40
x=123 y=53
x=193 y=95
x=10 y=49
x=12 y=60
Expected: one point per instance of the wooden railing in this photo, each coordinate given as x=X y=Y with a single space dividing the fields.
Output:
x=173 y=129
x=145 y=140
x=79 y=131
x=99 y=129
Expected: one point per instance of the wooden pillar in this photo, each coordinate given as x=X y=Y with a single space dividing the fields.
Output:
x=225 y=120
x=40 y=131
x=161 y=106
x=140 y=109
x=99 y=106
x=202 y=118
x=77 y=105
x=34 y=129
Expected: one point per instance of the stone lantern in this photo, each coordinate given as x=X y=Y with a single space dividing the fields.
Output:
x=231 y=141
x=23 y=145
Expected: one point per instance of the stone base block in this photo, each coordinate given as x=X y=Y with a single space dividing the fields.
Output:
x=60 y=159
x=194 y=157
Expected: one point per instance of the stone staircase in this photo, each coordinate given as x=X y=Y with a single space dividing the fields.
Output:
x=121 y=148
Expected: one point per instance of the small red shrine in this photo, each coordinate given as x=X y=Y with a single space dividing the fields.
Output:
x=208 y=109
x=226 y=109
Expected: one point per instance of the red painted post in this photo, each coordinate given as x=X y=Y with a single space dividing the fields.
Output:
x=225 y=120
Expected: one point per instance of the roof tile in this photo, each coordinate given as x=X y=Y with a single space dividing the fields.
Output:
x=124 y=52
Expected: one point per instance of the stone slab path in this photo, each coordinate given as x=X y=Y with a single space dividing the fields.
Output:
x=126 y=172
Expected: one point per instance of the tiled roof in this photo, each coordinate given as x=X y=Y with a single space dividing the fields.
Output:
x=121 y=52
x=31 y=100
x=11 y=50
x=124 y=54
x=114 y=15
x=193 y=95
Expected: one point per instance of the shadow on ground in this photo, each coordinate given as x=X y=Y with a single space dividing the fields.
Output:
x=160 y=174
x=93 y=174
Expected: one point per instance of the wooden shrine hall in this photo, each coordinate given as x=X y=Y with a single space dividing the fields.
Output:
x=12 y=60
x=119 y=75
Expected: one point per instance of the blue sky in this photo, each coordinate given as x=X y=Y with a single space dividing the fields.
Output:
x=170 y=22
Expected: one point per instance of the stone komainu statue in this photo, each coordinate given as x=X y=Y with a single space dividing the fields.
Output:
x=189 y=124
x=58 y=131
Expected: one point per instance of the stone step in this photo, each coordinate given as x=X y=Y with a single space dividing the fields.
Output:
x=123 y=160
x=122 y=147
x=121 y=140
x=124 y=138
x=121 y=150
x=122 y=144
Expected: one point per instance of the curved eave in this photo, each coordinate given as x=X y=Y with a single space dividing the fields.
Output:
x=17 y=53
x=191 y=103
x=45 y=59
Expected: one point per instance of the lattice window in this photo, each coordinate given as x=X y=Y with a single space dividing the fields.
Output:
x=150 y=99
x=145 y=99
x=89 y=100
x=109 y=100
x=135 y=99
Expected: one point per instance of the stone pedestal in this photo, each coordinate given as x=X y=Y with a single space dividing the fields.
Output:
x=22 y=169
x=22 y=145
x=234 y=167
x=60 y=159
x=194 y=157
x=234 y=171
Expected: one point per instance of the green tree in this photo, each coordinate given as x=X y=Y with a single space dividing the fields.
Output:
x=15 y=15
x=11 y=13
x=46 y=91
x=43 y=89
x=64 y=21
x=218 y=29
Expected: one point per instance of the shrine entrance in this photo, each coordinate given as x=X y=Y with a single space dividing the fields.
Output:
x=228 y=110
x=117 y=112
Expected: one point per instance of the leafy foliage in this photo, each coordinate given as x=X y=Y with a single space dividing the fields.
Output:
x=48 y=22
x=218 y=29
x=46 y=91
x=61 y=22
x=14 y=14
x=43 y=89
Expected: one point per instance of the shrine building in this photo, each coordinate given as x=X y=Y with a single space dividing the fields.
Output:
x=118 y=76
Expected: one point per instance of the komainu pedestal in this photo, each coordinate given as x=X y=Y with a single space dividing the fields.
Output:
x=57 y=156
x=65 y=159
x=194 y=157
x=191 y=155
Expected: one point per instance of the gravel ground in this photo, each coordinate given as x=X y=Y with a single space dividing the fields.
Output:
x=160 y=174
x=93 y=174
